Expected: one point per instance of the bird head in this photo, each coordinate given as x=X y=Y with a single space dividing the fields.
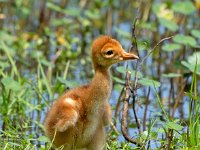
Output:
x=107 y=51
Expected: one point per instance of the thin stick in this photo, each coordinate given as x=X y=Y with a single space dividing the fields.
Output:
x=127 y=95
x=146 y=108
x=114 y=128
x=151 y=50
x=178 y=98
x=138 y=65
x=136 y=74
x=134 y=91
x=125 y=111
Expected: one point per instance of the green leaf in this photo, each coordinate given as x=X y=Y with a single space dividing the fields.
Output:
x=63 y=21
x=168 y=24
x=174 y=126
x=184 y=39
x=93 y=14
x=148 y=82
x=123 y=33
x=44 y=77
x=154 y=135
x=196 y=33
x=4 y=64
x=171 y=75
x=192 y=61
x=171 y=47
x=185 y=7
x=46 y=63
x=192 y=96
x=122 y=69
x=148 y=25
x=70 y=84
x=43 y=139
x=176 y=120
x=118 y=87
x=118 y=80
x=144 y=134
x=11 y=84
x=8 y=52
x=75 y=12
x=194 y=58
x=156 y=7
x=139 y=74
x=54 y=7
x=8 y=38
x=69 y=11
x=187 y=65
x=161 y=130
x=143 y=45
x=85 y=22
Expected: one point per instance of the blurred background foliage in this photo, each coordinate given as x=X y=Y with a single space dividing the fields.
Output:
x=45 y=49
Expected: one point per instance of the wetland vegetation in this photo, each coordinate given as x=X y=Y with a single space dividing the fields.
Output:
x=45 y=50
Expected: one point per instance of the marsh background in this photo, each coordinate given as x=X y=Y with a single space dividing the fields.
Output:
x=45 y=50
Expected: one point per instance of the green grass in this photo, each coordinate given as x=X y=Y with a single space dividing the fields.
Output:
x=30 y=78
x=23 y=101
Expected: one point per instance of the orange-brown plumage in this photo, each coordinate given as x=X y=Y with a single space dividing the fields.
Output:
x=78 y=118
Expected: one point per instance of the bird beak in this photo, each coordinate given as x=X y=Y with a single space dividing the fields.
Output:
x=129 y=56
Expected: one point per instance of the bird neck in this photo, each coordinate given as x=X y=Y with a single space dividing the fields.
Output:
x=101 y=84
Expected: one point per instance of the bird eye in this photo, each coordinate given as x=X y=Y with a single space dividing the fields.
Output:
x=109 y=52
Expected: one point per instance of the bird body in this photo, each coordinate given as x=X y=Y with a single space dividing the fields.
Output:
x=78 y=118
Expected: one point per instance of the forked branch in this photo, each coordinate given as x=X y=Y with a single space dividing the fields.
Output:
x=133 y=90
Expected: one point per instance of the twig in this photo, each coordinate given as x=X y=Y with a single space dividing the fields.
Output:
x=146 y=108
x=170 y=138
x=134 y=38
x=127 y=95
x=178 y=98
x=151 y=50
x=136 y=74
x=128 y=88
x=138 y=65
x=114 y=128
x=125 y=111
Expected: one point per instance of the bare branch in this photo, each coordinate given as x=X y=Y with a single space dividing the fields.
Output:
x=145 y=110
x=178 y=98
x=151 y=50
x=134 y=38
x=136 y=74
x=127 y=93
x=114 y=128
x=134 y=89
x=125 y=111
